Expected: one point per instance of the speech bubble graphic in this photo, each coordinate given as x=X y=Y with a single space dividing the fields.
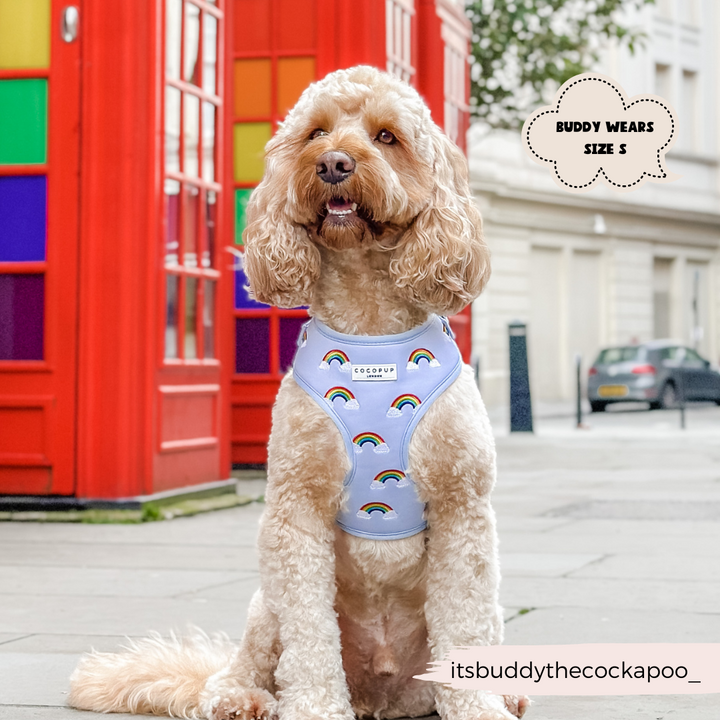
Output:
x=593 y=133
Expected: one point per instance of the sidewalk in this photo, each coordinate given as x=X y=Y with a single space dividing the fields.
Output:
x=605 y=537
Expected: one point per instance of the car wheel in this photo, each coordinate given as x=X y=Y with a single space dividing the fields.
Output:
x=655 y=405
x=598 y=405
x=668 y=397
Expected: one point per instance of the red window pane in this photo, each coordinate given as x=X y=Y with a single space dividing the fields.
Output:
x=210 y=30
x=172 y=283
x=210 y=223
x=191 y=34
x=191 y=306
x=252 y=345
x=296 y=23
x=252 y=25
x=172 y=222
x=190 y=226
x=173 y=28
x=208 y=144
x=209 y=320
x=22 y=314
x=191 y=132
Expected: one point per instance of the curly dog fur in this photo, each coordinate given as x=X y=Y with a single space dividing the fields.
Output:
x=364 y=215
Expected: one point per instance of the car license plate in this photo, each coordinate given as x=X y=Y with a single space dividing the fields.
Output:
x=612 y=391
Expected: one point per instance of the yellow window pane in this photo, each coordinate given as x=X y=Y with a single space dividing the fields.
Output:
x=24 y=34
x=252 y=87
x=294 y=75
x=249 y=150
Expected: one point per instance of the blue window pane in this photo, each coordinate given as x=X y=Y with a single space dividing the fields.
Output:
x=242 y=299
x=252 y=345
x=23 y=218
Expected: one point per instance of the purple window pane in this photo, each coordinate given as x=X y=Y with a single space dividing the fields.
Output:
x=289 y=333
x=23 y=218
x=22 y=312
x=242 y=299
x=252 y=345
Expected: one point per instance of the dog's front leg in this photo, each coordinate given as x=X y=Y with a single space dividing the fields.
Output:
x=452 y=458
x=307 y=463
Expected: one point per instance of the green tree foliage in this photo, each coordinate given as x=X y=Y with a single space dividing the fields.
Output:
x=524 y=49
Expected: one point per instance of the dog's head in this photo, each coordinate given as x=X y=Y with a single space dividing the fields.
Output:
x=358 y=162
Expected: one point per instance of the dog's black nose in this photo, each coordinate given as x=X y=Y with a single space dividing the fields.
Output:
x=334 y=167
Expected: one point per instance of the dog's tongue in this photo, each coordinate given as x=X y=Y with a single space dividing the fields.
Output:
x=340 y=204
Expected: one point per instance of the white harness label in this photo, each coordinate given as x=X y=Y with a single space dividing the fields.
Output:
x=374 y=372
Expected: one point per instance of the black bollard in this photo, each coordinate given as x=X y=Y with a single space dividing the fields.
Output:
x=578 y=388
x=520 y=402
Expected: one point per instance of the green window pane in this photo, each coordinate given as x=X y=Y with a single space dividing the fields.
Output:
x=249 y=150
x=23 y=122
x=241 y=201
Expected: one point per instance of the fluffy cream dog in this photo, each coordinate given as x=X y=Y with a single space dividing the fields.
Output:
x=364 y=215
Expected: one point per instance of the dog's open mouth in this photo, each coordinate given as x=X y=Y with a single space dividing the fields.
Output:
x=341 y=207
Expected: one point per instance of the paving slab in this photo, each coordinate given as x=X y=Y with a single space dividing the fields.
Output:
x=677 y=595
x=109 y=582
x=29 y=712
x=121 y=616
x=572 y=625
x=35 y=679
x=66 y=644
x=647 y=567
x=543 y=564
x=638 y=707
x=130 y=555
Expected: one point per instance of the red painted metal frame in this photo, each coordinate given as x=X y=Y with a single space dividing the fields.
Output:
x=49 y=385
x=253 y=394
x=123 y=379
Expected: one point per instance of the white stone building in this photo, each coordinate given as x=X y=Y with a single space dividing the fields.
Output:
x=604 y=268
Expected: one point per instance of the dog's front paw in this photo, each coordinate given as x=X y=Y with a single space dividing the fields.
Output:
x=240 y=703
x=517 y=704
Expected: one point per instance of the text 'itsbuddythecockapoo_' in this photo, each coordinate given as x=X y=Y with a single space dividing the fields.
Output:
x=378 y=550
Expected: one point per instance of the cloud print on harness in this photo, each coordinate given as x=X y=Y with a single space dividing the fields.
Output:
x=338 y=356
x=421 y=354
x=350 y=401
x=397 y=405
x=370 y=438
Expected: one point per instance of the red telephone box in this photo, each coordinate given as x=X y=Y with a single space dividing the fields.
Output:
x=132 y=361
x=279 y=47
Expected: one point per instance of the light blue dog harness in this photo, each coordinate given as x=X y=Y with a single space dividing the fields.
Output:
x=376 y=389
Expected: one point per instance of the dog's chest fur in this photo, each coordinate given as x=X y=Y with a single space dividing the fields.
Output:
x=381 y=589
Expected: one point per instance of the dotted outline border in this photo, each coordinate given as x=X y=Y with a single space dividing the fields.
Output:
x=601 y=169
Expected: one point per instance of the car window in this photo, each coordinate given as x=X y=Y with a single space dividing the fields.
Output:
x=622 y=354
x=691 y=355
x=670 y=353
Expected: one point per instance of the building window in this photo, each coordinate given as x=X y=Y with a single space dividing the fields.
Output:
x=192 y=111
x=398 y=38
x=688 y=111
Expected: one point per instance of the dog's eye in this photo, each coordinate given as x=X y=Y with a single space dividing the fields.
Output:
x=319 y=132
x=385 y=136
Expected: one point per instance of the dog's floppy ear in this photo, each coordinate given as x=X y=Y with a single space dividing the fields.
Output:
x=281 y=262
x=442 y=261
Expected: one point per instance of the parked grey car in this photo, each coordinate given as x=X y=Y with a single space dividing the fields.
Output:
x=661 y=372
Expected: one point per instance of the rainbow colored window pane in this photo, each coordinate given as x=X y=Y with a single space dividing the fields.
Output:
x=24 y=47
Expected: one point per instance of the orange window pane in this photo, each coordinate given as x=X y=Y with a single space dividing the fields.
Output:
x=294 y=75
x=251 y=31
x=296 y=23
x=252 y=88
